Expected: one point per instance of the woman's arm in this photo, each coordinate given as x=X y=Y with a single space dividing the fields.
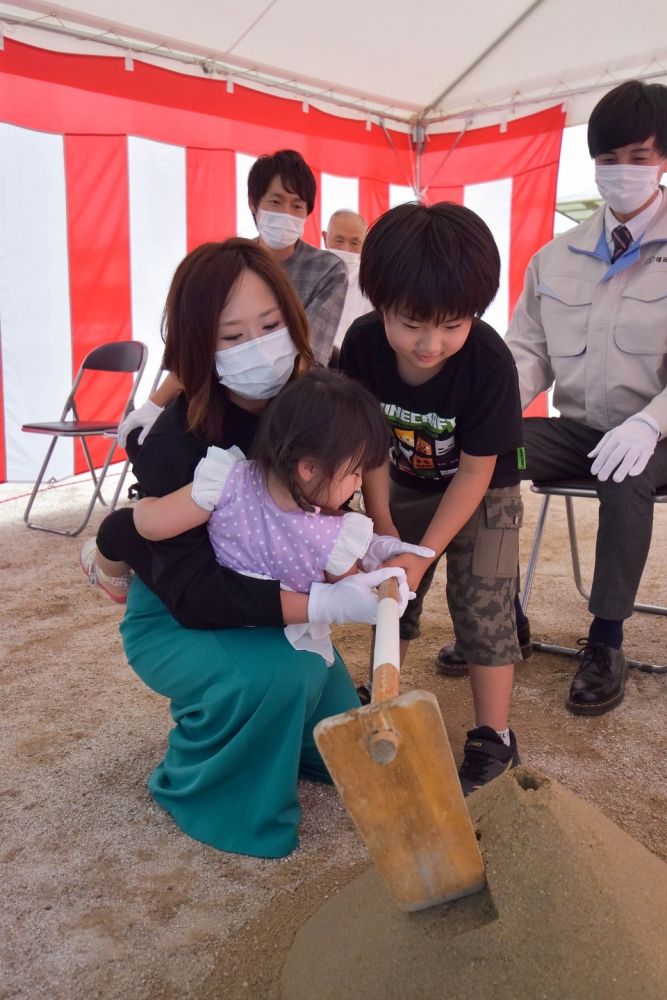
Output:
x=168 y=389
x=157 y=518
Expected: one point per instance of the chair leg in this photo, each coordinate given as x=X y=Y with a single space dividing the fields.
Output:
x=555 y=650
x=524 y=596
x=574 y=548
x=38 y=483
x=91 y=469
x=98 y=481
x=121 y=480
x=552 y=648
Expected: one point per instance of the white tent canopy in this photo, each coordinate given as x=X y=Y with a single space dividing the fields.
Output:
x=444 y=64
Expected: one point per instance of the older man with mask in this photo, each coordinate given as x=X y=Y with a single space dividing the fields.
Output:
x=592 y=322
x=344 y=237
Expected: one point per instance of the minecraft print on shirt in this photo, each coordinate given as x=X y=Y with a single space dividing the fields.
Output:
x=423 y=443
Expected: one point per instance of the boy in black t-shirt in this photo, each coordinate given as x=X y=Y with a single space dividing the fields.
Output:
x=448 y=386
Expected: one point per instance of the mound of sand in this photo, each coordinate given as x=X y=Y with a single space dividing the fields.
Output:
x=574 y=908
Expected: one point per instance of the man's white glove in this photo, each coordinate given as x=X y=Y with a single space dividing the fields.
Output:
x=144 y=416
x=627 y=448
x=354 y=599
x=385 y=547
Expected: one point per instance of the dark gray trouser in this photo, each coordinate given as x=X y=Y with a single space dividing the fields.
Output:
x=557 y=448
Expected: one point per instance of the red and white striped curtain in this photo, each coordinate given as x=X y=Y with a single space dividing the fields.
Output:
x=109 y=177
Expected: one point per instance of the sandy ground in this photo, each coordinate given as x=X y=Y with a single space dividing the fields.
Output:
x=104 y=897
x=573 y=907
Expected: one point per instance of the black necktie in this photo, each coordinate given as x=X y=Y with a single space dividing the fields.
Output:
x=622 y=238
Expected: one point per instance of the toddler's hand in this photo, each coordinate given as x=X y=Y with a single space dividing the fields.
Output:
x=414 y=565
x=383 y=549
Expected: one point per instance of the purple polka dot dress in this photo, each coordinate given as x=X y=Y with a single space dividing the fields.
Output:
x=250 y=534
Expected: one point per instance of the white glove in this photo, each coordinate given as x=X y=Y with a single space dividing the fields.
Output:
x=385 y=547
x=144 y=416
x=354 y=599
x=627 y=448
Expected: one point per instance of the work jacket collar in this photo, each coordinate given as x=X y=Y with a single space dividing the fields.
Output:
x=589 y=239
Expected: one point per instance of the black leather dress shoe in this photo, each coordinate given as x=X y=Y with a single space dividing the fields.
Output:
x=599 y=683
x=451 y=665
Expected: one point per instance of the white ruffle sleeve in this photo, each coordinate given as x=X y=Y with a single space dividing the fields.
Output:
x=352 y=542
x=211 y=475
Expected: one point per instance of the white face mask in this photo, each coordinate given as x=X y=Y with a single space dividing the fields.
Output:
x=279 y=230
x=259 y=368
x=626 y=187
x=351 y=261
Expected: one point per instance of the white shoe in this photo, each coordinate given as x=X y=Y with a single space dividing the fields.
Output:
x=115 y=587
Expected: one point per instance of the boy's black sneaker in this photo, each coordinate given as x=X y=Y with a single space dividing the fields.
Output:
x=486 y=757
x=450 y=665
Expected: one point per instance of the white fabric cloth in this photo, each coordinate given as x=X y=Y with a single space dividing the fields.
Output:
x=596 y=331
x=355 y=303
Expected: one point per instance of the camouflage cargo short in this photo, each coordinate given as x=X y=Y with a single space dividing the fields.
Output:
x=482 y=567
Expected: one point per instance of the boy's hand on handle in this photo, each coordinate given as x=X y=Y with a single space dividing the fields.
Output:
x=354 y=599
x=414 y=565
x=144 y=416
x=384 y=548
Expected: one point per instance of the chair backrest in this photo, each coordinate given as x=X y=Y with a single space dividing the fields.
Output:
x=120 y=356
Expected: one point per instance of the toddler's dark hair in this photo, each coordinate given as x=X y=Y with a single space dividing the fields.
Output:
x=432 y=262
x=327 y=416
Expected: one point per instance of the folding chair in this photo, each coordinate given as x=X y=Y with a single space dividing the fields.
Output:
x=121 y=356
x=570 y=489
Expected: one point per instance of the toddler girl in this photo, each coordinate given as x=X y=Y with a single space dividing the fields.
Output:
x=277 y=516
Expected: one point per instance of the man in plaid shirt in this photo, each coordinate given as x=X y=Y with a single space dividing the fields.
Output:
x=281 y=195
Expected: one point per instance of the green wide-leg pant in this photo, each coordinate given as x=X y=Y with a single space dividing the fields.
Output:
x=244 y=704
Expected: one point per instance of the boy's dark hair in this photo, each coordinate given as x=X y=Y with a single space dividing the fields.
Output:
x=632 y=112
x=295 y=175
x=432 y=262
x=199 y=290
x=328 y=417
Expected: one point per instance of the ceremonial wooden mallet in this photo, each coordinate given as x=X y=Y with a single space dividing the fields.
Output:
x=393 y=767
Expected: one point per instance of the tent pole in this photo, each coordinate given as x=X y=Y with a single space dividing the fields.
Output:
x=418 y=140
x=480 y=58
